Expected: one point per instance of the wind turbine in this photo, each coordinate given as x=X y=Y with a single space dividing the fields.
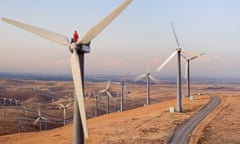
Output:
x=4 y=103
x=78 y=48
x=25 y=109
x=123 y=93
x=107 y=91
x=149 y=77
x=10 y=101
x=16 y=102
x=96 y=103
x=178 y=51
x=39 y=119
x=64 y=107
x=4 y=100
x=187 y=71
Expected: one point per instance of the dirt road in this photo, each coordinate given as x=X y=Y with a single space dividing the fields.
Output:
x=182 y=132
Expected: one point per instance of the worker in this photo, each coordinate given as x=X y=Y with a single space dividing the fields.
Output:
x=75 y=37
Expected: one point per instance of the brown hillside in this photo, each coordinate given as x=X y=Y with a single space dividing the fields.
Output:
x=152 y=124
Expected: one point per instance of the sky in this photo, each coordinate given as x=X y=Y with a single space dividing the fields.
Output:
x=138 y=37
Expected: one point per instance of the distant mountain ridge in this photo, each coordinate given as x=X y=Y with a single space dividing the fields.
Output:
x=119 y=78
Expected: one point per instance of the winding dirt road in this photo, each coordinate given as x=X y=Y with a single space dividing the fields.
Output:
x=182 y=132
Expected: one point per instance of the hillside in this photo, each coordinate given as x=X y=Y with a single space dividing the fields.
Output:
x=151 y=124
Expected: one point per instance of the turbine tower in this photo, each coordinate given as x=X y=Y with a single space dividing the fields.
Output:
x=187 y=71
x=124 y=92
x=78 y=48
x=107 y=91
x=149 y=77
x=178 y=51
x=25 y=109
x=4 y=107
x=96 y=103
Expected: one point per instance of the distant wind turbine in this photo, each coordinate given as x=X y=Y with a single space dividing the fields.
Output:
x=39 y=119
x=4 y=100
x=20 y=125
x=107 y=91
x=123 y=93
x=10 y=101
x=78 y=47
x=64 y=107
x=16 y=102
x=149 y=77
x=25 y=109
x=187 y=71
x=96 y=103
x=4 y=105
x=178 y=51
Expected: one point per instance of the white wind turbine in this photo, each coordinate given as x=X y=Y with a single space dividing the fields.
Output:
x=78 y=48
x=20 y=125
x=16 y=102
x=179 y=83
x=4 y=104
x=107 y=91
x=39 y=119
x=123 y=93
x=149 y=77
x=4 y=100
x=10 y=101
x=187 y=70
x=96 y=103
x=64 y=107
x=25 y=109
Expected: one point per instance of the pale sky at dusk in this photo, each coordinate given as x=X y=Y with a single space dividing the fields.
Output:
x=139 y=36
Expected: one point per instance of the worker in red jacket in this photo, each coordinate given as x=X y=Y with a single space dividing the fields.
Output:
x=75 y=37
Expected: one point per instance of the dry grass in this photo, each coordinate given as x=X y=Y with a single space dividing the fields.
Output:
x=224 y=128
x=152 y=124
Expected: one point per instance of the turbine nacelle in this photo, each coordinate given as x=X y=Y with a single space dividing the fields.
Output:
x=80 y=48
x=178 y=49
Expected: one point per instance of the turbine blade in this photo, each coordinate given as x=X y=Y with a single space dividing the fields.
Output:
x=43 y=118
x=108 y=85
x=183 y=56
x=186 y=70
x=175 y=34
x=61 y=105
x=52 y=36
x=140 y=77
x=189 y=53
x=153 y=79
x=36 y=121
x=192 y=58
x=95 y=30
x=68 y=105
x=166 y=61
x=109 y=94
x=39 y=112
x=77 y=79
x=102 y=91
